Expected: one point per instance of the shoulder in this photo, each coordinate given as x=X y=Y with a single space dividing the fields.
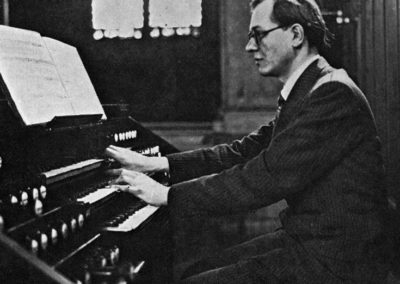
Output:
x=339 y=82
x=337 y=77
x=335 y=88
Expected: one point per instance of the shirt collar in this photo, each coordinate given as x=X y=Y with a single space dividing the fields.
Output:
x=288 y=86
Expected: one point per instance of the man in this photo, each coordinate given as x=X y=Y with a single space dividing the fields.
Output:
x=321 y=154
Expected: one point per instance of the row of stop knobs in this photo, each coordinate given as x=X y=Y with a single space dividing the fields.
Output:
x=124 y=136
x=30 y=194
x=53 y=234
x=16 y=206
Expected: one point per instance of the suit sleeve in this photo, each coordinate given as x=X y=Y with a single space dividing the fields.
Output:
x=192 y=164
x=331 y=122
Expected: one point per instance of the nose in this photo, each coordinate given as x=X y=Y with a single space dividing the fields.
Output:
x=251 y=45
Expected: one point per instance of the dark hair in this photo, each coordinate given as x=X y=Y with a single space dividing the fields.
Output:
x=307 y=14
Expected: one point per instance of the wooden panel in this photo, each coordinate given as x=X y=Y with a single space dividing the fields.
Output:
x=392 y=92
x=379 y=77
x=380 y=68
x=368 y=66
x=395 y=176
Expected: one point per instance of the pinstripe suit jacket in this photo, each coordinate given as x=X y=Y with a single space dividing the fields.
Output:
x=322 y=156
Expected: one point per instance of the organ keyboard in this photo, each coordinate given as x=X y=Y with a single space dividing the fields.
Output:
x=97 y=194
x=60 y=219
x=131 y=219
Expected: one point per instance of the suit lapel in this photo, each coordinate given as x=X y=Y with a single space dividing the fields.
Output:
x=302 y=87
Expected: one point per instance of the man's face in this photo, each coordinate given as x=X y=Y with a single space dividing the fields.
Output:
x=272 y=50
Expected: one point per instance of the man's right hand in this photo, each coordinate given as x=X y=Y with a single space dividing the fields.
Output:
x=137 y=162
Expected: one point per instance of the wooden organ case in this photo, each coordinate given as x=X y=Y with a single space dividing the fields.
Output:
x=60 y=220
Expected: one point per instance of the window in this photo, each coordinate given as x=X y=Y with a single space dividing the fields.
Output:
x=125 y=18
x=169 y=17
x=117 y=18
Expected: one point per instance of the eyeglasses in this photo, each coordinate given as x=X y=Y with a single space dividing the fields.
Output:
x=259 y=35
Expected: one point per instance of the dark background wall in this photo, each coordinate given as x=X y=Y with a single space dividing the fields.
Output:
x=174 y=79
x=379 y=70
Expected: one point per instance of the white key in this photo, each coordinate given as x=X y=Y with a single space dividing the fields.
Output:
x=97 y=195
x=133 y=221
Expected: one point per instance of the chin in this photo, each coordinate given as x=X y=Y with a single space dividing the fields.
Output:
x=264 y=72
x=268 y=72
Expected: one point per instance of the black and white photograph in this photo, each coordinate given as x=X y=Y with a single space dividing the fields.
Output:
x=200 y=141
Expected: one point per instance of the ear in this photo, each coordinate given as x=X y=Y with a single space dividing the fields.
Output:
x=298 y=35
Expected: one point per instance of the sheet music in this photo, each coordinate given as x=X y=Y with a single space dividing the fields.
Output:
x=31 y=76
x=76 y=81
x=44 y=77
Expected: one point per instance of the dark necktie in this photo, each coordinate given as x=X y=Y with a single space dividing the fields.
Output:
x=281 y=101
x=274 y=121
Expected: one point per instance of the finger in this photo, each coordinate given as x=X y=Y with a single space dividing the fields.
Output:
x=112 y=147
x=120 y=180
x=114 y=172
x=124 y=188
x=129 y=189
x=130 y=173
x=110 y=153
x=127 y=176
x=116 y=149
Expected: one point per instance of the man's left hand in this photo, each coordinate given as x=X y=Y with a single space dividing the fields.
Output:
x=141 y=186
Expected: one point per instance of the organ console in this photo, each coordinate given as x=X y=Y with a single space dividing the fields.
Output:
x=60 y=219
